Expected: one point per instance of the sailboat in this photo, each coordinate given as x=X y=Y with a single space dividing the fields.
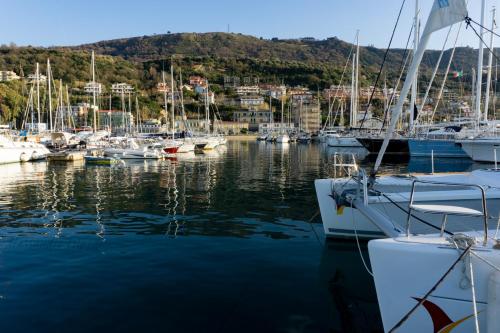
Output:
x=170 y=146
x=388 y=193
x=349 y=140
x=445 y=280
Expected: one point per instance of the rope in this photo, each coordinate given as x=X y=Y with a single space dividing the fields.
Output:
x=473 y=289
x=312 y=226
x=357 y=242
x=407 y=316
x=382 y=65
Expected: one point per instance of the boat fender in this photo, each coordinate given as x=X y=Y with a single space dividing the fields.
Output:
x=24 y=157
x=493 y=308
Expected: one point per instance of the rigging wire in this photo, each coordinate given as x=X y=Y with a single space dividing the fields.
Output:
x=404 y=61
x=382 y=65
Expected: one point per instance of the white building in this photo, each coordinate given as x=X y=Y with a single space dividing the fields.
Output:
x=41 y=78
x=266 y=128
x=6 y=76
x=248 y=90
x=246 y=101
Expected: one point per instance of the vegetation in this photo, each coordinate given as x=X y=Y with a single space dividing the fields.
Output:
x=139 y=61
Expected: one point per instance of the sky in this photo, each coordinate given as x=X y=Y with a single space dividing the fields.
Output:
x=74 y=22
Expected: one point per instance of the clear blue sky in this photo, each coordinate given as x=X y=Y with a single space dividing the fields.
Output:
x=72 y=22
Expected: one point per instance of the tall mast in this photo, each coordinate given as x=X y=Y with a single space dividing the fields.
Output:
x=165 y=96
x=479 y=79
x=38 y=94
x=490 y=63
x=49 y=79
x=61 y=103
x=94 y=106
x=356 y=86
x=414 y=87
x=353 y=93
x=172 y=105
x=207 y=109
x=442 y=15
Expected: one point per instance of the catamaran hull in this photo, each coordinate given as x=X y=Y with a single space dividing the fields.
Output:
x=436 y=148
x=342 y=221
x=405 y=269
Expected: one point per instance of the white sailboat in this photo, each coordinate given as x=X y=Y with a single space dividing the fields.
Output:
x=388 y=195
x=349 y=140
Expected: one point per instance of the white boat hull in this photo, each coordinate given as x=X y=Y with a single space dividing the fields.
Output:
x=283 y=139
x=340 y=220
x=405 y=269
x=131 y=153
x=482 y=150
x=342 y=141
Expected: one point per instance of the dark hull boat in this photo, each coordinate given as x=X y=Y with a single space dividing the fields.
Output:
x=396 y=146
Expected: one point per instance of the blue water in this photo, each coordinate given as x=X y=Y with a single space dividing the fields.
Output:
x=205 y=243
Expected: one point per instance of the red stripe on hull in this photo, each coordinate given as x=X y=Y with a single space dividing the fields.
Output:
x=171 y=150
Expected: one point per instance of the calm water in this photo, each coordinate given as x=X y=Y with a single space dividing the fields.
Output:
x=208 y=243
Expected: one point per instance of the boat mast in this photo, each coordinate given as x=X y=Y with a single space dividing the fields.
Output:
x=479 y=79
x=172 y=105
x=414 y=87
x=442 y=15
x=356 y=97
x=49 y=79
x=490 y=63
x=353 y=92
x=94 y=93
x=38 y=94
x=61 y=103
x=165 y=96
x=207 y=109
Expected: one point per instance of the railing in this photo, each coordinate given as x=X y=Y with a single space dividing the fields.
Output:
x=448 y=210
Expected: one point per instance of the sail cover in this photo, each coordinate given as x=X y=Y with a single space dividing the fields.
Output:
x=445 y=13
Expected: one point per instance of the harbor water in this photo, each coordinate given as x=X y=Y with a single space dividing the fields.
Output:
x=226 y=241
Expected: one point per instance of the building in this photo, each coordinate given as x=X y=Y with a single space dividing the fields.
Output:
x=248 y=90
x=90 y=87
x=195 y=81
x=203 y=98
x=251 y=101
x=231 y=82
x=119 y=88
x=251 y=81
x=41 y=78
x=252 y=117
x=114 y=118
x=266 y=128
x=276 y=92
x=301 y=95
x=231 y=127
x=307 y=117
x=6 y=76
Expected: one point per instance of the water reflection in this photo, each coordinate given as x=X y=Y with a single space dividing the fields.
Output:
x=229 y=227
x=351 y=288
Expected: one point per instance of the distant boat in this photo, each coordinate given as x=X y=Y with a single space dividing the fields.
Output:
x=12 y=151
x=283 y=138
x=485 y=149
x=396 y=146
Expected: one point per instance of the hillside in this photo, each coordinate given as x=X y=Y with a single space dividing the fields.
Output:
x=140 y=60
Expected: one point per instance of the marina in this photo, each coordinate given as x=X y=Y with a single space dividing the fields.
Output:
x=222 y=182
